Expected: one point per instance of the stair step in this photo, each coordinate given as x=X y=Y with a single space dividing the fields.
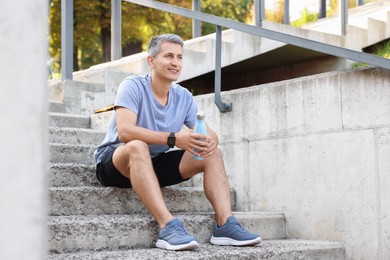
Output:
x=69 y=153
x=116 y=232
x=268 y=249
x=65 y=201
x=69 y=120
x=79 y=175
x=72 y=175
x=75 y=136
x=56 y=106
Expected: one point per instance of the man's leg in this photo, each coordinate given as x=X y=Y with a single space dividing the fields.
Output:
x=133 y=161
x=228 y=230
x=216 y=184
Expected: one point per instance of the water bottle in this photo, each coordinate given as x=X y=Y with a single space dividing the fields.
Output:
x=200 y=128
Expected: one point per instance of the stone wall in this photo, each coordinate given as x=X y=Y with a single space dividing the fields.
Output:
x=317 y=149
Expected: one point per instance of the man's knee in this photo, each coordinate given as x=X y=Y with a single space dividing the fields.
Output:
x=217 y=153
x=137 y=148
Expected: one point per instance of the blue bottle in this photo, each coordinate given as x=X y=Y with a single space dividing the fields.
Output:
x=200 y=128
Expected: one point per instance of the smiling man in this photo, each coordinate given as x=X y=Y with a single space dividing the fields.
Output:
x=149 y=114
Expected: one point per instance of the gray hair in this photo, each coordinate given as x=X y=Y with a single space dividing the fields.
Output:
x=154 y=46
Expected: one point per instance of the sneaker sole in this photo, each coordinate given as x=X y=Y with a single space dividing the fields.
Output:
x=165 y=245
x=225 y=241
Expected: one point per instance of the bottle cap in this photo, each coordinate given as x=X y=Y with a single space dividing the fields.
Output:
x=200 y=115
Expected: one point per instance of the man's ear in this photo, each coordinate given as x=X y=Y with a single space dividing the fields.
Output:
x=150 y=60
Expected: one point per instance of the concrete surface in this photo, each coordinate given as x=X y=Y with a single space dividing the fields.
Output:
x=23 y=150
x=115 y=232
x=270 y=249
x=316 y=149
x=66 y=201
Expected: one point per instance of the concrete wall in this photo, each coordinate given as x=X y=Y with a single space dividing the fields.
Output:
x=23 y=149
x=317 y=149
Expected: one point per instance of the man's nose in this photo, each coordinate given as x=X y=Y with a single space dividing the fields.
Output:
x=176 y=61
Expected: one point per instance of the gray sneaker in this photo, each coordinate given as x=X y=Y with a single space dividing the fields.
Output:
x=232 y=234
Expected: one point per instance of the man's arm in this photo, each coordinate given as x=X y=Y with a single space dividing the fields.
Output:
x=185 y=139
x=128 y=131
x=205 y=144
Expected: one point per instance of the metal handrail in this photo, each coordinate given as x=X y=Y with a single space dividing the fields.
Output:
x=67 y=39
x=266 y=33
x=262 y=32
x=223 y=107
x=67 y=36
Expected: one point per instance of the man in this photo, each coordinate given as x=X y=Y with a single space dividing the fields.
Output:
x=148 y=119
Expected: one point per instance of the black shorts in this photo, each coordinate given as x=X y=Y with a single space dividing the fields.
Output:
x=166 y=167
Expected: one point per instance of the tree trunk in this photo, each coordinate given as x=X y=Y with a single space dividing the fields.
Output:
x=105 y=36
x=75 y=58
x=132 y=48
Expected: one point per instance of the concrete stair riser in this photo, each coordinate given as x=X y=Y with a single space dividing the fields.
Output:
x=72 y=175
x=114 y=232
x=66 y=153
x=109 y=76
x=75 y=136
x=66 y=201
x=57 y=107
x=60 y=90
x=64 y=120
x=377 y=30
x=83 y=97
x=270 y=249
x=80 y=175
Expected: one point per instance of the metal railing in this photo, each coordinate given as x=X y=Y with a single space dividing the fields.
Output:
x=67 y=46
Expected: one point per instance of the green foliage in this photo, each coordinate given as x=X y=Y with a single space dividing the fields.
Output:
x=92 y=30
x=306 y=17
x=384 y=50
x=381 y=49
x=277 y=14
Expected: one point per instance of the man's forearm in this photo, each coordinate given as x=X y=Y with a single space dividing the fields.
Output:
x=143 y=134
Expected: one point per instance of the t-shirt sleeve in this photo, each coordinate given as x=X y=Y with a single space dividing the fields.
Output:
x=128 y=96
x=191 y=113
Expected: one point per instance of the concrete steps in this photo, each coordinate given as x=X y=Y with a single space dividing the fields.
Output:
x=367 y=25
x=81 y=136
x=65 y=153
x=115 y=232
x=72 y=175
x=69 y=120
x=65 y=201
x=88 y=221
x=268 y=249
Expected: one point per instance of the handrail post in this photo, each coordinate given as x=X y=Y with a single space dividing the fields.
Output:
x=223 y=107
x=66 y=39
x=322 y=10
x=196 y=26
x=286 y=11
x=343 y=13
x=116 y=29
x=259 y=12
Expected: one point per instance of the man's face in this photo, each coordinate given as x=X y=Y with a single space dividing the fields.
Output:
x=168 y=63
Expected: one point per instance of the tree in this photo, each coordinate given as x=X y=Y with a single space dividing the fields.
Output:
x=277 y=14
x=306 y=17
x=92 y=26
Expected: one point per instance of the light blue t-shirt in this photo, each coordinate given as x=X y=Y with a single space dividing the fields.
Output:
x=135 y=93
